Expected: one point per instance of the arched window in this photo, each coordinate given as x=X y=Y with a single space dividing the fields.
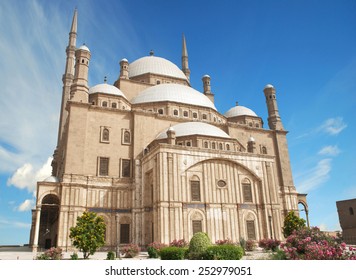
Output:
x=351 y=210
x=204 y=117
x=127 y=137
x=264 y=150
x=175 y=112
x=246 y=190
x=195 y=115
x=195 y=189
x=251 y=232
x=104 y=104
x=197 y=226
x=228 y=147
x=189 y=144
x=220 y=146
x=206 y=145
x=213 y=145
x=160 y=111
x=106 y=135
x=185 y=114
x=113 y=105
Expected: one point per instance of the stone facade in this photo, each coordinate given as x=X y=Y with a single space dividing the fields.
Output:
x=157 y=160
x=347 y=217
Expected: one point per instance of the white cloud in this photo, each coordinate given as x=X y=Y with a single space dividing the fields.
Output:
x=4 y=223
x=314 y=177
x=333 y=126
x=26 y=176
x=31 y=69
x=330 y=151
x=27 y=205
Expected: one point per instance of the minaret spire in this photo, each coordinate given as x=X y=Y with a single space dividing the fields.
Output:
x=68 y=75
x=274 y=120
x=185 y=66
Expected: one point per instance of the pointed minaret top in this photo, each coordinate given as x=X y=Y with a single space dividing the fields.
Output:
x=185 y=65
x=184 y=47
x=74 y=22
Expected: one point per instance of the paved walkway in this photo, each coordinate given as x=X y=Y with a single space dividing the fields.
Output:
x=25 y=253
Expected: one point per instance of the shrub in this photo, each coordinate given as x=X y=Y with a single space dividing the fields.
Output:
x=250 y=245
x=51 y=254
x=198 y=244
x=243 y=244
x=173 y=253
x=130 y=251
x=154 y=249
x=269 y=244
x=312 y=244
x=179 y=243
x=223 y=252
x=111 y=255
x=225 y=241
x=279 y=255
x=74 y=256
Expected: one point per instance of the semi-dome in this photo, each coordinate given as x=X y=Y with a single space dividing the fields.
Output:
x=268 y=86
x=194 y=128
x=84 y=47
x=106 y=88
x=239 y=111
x=155 y=65
x=175 y=93
x=51 y=179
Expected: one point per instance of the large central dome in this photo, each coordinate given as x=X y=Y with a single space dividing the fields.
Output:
x=174 y=93
x=155 y=65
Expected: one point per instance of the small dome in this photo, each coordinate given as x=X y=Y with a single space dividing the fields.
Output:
x=268 y=86
x=124 y=60
x=106 y=88
x=84 y=47
x=175 y=93
x=155 y=65
x=51 y=179
x=195 y=128
x=206 y=76
x=251 y=139
x=239 y=111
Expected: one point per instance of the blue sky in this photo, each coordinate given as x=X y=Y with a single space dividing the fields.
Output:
x=305 y=48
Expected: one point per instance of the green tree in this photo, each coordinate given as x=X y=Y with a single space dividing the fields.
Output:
x=89 y=233
x=292 y=222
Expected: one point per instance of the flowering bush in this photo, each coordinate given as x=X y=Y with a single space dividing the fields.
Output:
x=130 y=250
x=269 y=244
x=312 y=244
x=179 y=243
x=224 y=242
x=51 y=254
x=250 y=245
x=154 y=249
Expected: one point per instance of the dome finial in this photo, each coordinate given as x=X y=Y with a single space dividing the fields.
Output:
x=151 y=53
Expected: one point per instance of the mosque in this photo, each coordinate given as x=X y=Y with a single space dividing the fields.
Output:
x=155 y=158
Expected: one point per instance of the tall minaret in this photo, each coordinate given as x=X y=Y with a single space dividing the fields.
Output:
x=274 y=120
x=79 y=91
x=68 y=75
x=185 y=66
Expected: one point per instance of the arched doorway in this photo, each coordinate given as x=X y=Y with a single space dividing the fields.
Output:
x=303 y=207
x=48 y=231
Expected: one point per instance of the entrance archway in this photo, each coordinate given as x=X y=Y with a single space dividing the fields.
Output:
x=48 y=231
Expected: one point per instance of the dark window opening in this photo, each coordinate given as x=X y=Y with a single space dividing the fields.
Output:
x=124 y=233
